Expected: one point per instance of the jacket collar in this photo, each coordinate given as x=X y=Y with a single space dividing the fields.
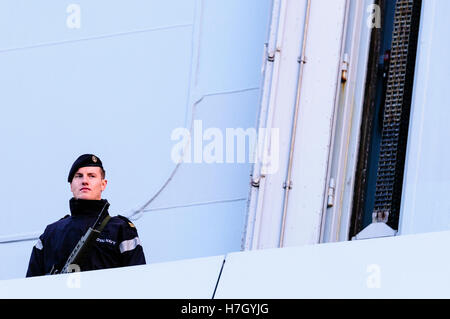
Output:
x=84 y=207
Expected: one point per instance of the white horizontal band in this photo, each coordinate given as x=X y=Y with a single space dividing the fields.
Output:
x=128 y=245
x=39 y=244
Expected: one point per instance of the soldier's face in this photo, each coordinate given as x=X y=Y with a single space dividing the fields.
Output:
x=87 y=183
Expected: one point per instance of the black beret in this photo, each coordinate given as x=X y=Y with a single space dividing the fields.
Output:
x=83 y=161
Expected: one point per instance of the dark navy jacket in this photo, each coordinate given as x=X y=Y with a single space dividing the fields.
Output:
x=118 y=244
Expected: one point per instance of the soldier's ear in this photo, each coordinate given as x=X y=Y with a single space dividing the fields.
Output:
x=104 y=183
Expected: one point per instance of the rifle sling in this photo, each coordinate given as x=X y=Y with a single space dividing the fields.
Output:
x=103 y=224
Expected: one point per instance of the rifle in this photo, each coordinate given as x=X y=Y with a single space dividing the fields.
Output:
x=83 y=245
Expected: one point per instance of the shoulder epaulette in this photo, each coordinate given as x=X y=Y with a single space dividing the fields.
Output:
x=68 y=215
x=127 y=220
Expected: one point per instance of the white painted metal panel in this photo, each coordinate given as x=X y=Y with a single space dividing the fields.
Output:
x=281 y=105
x=411 y=266
x=323 y=44
x=426 y=201
x=27 y=24
x=192 y=231
x=14 y=259
x=231 y=43
x=315 y=121
x=345 y=146
x=187 y=279
x=206 y=182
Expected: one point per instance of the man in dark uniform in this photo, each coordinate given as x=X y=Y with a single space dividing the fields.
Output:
x=118 y=244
